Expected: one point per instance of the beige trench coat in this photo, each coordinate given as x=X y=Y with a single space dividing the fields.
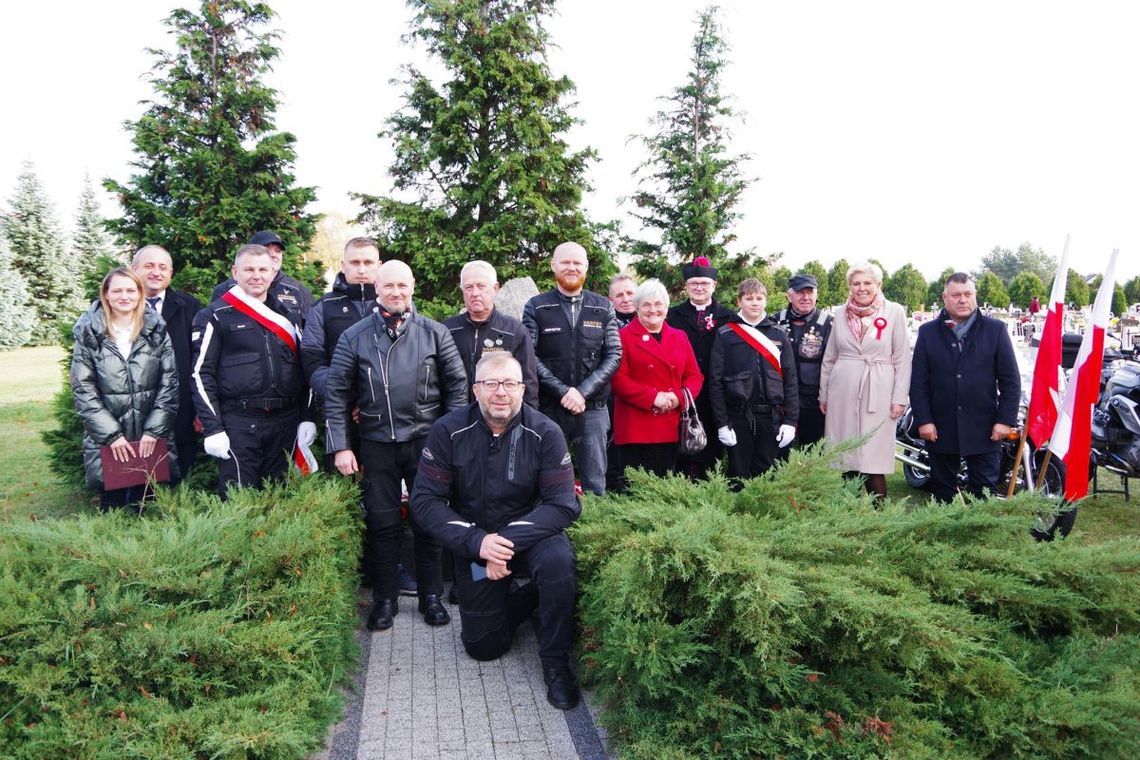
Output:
x=859 y=382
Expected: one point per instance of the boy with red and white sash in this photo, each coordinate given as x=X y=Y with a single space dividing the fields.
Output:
x=752 y=385
x=249 y=388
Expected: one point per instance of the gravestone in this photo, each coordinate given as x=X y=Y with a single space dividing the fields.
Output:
x=514 y=294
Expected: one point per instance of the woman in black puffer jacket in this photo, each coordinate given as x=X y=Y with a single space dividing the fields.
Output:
x=124 y=381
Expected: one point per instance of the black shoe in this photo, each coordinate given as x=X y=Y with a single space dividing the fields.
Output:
x=381 y=614
x=431 y=607
x=453 y=595
x=406 y=582
x=561 y=691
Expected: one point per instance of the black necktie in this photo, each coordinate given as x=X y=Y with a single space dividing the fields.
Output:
x=153 y=301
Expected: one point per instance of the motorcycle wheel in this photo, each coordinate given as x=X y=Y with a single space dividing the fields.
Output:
x=1049 y=526
x=916 y=478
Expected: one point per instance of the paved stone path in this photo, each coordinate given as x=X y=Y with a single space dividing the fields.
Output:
x=418 y=695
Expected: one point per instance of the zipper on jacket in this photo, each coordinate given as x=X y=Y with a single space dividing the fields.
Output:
x=272 y=372
x=383 y=362
x=371 y=387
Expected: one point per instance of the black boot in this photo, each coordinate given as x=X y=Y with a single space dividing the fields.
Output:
x=431 y=607
x=381 y=614
x=561 y=690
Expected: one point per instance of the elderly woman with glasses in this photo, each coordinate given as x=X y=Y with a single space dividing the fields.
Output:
x=657 y=366
x=865 y=377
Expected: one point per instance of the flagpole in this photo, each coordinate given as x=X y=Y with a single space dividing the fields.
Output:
x=1044 y=468
x=1016 y=465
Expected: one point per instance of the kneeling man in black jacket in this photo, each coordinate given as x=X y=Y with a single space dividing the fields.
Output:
x=496 y=487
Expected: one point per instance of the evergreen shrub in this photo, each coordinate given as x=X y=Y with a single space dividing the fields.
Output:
x=201 y=630
x=793 y=619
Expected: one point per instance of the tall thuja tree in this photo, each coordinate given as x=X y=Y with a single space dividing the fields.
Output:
x=691 y=185
x=91 y=251
x=17 y=315
x=211 y=168
x=482 y=168
x=38 y=254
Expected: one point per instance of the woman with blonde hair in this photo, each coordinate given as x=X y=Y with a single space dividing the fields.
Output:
x=865 y=377
x=124 y=381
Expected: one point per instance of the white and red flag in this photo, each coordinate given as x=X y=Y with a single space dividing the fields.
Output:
x=1045 y=395
x=1072 y=438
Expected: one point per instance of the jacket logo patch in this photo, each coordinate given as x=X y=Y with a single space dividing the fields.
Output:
x=196 y=335
x=240 y=326
x=551 y=330
x=286 y=297
x=565 y=460
x=592 y=323
x=428 y=455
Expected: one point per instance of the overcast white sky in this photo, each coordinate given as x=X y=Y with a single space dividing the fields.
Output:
x=906 y=131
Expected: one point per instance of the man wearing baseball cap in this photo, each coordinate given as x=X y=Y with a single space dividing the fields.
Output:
x=288 y=291
x=809 y=328
x=699 y=317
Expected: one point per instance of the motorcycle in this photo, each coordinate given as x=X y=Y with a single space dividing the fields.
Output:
x=1116 y=422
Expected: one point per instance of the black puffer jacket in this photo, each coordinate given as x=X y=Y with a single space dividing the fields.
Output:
x=117 y=395
x=401 y=386
x=739 y=378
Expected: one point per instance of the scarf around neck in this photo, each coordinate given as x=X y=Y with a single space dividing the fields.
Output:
x=856 y=314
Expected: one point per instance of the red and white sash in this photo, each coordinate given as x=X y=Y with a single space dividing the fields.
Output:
x=304 y=460
x=761 y=342
x=263 y=315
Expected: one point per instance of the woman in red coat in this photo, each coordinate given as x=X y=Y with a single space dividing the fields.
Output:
x=657 y=361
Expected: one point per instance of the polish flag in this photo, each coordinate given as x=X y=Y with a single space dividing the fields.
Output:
x=1048 y=377
x=1072 y=438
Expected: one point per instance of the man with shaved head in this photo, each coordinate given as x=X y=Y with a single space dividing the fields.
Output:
x=153 y=265
x=403 y=372
x=576 y=343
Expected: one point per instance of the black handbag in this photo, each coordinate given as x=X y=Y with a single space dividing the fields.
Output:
x=693 y=436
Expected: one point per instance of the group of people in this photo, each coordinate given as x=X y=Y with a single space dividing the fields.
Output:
x=492 y=423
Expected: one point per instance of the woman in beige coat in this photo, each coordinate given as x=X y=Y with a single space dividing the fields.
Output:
x=865 y=376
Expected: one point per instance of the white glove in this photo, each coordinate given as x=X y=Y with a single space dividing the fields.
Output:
x=306 y=433
x=218 y=445
x=726 y=435
x=785 y=435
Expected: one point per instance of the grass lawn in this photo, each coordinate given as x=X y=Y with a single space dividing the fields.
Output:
x=29 y=377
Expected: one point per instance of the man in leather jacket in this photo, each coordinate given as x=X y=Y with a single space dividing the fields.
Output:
x=403 y=372
x=495 y=485
x=249 y=390
x=809 y=328
x=483 y=329
x=578 y=349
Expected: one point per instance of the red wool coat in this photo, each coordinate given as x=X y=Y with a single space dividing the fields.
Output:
x=646 y=368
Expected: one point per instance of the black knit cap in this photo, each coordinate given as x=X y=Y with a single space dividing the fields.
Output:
x=701 y=267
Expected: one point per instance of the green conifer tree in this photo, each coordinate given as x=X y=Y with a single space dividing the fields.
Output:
x=482 y=168
x=17 y=315
x=211 y=168
x=691 y=185
x=91 y=251
x=37 y=250
x=906 y=286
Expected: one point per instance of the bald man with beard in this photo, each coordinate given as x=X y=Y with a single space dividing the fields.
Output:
x=404 y=372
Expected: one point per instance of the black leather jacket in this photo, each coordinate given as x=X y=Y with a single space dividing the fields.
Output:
x=809 y=336
x=499 y=332
x=582 y=351
x=401 y=386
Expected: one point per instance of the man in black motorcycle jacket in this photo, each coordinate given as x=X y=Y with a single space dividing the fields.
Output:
x=965 y=390
x=495 y=485
x=403 y=372
x=578 y=350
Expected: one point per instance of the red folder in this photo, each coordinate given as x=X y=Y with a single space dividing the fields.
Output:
x=137 y=471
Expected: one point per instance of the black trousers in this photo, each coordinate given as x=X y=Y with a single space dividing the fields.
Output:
x=260 y=444
x=130 y=497
x=658 y=458
x=384 y=466
x=809 y=429
x=982 y=474
x=755 y=448
x=490 y=611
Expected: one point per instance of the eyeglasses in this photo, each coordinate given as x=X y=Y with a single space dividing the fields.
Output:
x=510 y=386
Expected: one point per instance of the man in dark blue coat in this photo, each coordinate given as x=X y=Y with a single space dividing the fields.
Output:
x=965 y=389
